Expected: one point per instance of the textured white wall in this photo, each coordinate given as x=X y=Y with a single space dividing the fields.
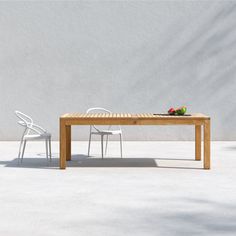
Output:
x=58 y=57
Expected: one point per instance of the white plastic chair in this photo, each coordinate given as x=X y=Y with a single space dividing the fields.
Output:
x=94 y=130
x=32 y=132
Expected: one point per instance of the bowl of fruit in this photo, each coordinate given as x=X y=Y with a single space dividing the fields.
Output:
x=177 y=111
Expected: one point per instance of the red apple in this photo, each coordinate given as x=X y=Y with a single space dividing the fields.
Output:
x=171 y=111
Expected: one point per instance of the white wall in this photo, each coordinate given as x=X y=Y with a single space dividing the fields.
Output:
x=58 y=57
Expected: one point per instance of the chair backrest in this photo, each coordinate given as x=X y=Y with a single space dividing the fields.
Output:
x=98 y=110
x=25 y=121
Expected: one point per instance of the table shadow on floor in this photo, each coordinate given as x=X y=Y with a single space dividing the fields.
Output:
x=81 y=161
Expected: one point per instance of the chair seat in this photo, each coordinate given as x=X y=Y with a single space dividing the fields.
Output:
x=37 y=136
x=107 y=132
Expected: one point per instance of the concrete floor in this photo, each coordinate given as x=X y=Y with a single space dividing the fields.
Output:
x=157 y=189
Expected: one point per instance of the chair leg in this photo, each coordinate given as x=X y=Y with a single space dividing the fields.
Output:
x=89 y=143
x=50 y=150
x=23 y=151
x=102 y=145
x=19 y=153
x=46 y=144
x=121 y=146
x=106 y=144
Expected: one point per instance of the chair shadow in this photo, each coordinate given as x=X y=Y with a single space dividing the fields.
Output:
x=82 y=161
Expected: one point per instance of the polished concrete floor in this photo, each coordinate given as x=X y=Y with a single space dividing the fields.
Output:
x=156 y=189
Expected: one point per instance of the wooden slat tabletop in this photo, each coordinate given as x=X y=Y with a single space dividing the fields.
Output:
x=128 y=115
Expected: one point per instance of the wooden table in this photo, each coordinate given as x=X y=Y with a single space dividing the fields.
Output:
x=198 y=120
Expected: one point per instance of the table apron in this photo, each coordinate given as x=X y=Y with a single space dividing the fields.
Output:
x=131 y=122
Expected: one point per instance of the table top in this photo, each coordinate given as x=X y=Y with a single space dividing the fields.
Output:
x=194 y=116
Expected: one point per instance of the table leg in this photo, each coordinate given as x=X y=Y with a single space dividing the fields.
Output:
x=62 y=144
x=207 y=144
x=68 y=142
x=198 y=141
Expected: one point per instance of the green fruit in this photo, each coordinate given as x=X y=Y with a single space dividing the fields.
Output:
x=181 y=111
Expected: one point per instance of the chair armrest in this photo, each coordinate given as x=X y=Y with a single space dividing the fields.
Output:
x=35 y=130
x=39 y=128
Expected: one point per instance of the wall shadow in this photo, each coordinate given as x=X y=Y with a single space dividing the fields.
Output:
x=230 y=148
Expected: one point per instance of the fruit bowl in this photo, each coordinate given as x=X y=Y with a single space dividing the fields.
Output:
x=178 y=111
